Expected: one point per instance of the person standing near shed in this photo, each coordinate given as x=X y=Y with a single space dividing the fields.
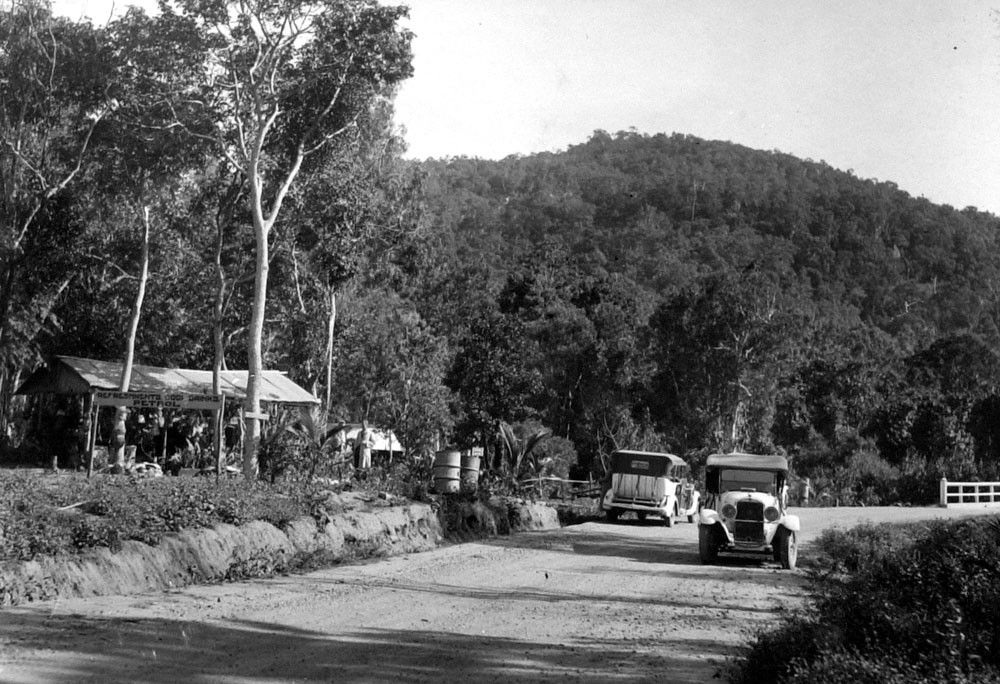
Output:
x=363 y=448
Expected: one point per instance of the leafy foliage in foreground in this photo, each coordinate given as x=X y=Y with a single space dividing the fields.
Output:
x=49 y=515
x=914 y=603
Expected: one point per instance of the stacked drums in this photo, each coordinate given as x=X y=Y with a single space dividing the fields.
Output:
x=456 y=470
x=470 y=469
x=447 y=467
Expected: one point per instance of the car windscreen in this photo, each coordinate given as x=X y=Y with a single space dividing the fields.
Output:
x=753 y=480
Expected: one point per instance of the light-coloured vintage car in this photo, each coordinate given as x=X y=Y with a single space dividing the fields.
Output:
x=745 y=508
x=649 y=483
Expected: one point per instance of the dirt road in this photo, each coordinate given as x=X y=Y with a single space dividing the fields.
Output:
x=588 y=604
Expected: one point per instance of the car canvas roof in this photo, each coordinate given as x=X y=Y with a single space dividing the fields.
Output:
x=676 y=460
x=747 y=461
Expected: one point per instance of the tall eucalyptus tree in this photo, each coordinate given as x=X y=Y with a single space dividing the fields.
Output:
x=283 y=80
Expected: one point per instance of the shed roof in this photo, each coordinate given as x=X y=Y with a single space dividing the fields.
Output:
x=747 y=461
x=72 y=375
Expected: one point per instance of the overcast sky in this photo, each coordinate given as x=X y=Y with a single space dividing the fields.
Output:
x=900 y=90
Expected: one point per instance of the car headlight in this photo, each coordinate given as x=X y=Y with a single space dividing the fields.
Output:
x=729 y=511
x=771 y=514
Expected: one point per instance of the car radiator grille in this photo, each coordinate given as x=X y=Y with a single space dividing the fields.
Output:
x=749 y=522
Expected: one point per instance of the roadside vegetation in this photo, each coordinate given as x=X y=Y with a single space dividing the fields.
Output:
x=43 y=514
x=914 y=603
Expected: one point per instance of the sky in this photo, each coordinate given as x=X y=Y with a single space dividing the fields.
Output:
x=906 y=91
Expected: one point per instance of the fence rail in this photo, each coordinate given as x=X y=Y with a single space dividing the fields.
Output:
x=970 y=494
x=564 y=489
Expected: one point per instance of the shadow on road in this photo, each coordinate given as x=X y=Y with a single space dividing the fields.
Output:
x=170 y=651
x=553 y=594
x=673 y=547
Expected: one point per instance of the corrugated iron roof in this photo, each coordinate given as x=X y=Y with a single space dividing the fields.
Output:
x=72 y=375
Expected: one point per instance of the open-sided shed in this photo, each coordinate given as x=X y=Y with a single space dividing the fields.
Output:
x=98 y=382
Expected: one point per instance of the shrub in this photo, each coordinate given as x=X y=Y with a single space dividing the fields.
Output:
x=844 y=668
x=862 y=546
x=914 y=603
x=866 y=479
x=45 y=514
x=556 y=456
x=769 y=658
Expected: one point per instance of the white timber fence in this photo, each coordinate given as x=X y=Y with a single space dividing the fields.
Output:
x=970 y=494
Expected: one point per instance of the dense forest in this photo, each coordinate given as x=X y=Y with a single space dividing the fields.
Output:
x=645 y=291
x=671 y=292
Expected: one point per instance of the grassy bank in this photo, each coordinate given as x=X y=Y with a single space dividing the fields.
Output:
x=42 y=514
x=915 y=603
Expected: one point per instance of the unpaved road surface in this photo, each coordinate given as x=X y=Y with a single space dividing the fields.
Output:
x=588 y=604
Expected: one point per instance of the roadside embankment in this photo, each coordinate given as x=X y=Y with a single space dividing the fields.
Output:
x=352 y=526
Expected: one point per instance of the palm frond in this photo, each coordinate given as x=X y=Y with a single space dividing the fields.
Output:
x=509 y=439
x=311 y=426
x=535 y=438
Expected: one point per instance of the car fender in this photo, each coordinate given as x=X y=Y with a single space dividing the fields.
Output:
x=695 y=502
x=707 y=516
x=710 y=518
x=791 y=523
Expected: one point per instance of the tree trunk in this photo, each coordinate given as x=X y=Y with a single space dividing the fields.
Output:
x=121 y=412
x=10 y=280
x=255 y=362
x=330 y=325
x=262 y=225
x=219 y=343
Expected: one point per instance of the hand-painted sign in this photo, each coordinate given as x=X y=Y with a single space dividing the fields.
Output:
x=158 y=400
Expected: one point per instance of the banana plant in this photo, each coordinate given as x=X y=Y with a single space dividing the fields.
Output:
x=519 y=450
x=315 y=436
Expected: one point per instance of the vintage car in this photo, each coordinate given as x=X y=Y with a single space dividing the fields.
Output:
x=649 y=483
x=745 y=509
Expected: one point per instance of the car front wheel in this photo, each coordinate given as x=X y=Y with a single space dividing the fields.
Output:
x=787 y=548
x=707 y=549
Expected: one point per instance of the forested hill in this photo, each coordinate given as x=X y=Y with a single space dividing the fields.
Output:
x=664 y=210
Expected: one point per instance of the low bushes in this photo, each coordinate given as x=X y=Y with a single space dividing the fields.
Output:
x=914 y=603
x=46 y=514
x=866 y=479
